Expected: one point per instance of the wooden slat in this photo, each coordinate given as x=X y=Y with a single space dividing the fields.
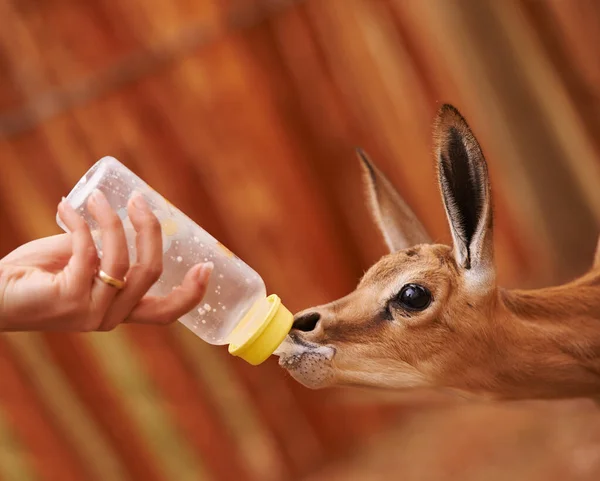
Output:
x=375 y=82
x=569 y=36
x=542 y=442
x=25 y=204
x=187 y=404
x=278 y=408
x=311 y=107
x=254 y=439
x=556 y=107
x=14 y=461
x=26 y=69
x=156 y=21
x=71 y=417
x=103 y=400
x=144 y=406
x=52 y=457
x=12 y=241
x=57 y=29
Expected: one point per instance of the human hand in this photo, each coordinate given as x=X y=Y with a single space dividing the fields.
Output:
x=51 y=284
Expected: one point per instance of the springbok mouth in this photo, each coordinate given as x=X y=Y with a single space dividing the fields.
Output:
x=295 y=350
x=290 y=362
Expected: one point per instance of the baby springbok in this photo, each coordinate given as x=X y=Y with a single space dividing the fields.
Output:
x=429 y=315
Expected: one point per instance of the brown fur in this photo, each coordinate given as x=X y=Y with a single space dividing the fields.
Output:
x=474 y=338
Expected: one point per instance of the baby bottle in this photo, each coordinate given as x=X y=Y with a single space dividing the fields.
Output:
x=235 y=310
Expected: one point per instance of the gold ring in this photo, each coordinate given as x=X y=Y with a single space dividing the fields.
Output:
x=111 y=281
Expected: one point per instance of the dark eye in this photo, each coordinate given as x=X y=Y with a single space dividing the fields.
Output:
x=414 y=297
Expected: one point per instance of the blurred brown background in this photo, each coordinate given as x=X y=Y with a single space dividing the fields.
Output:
x=244 y=113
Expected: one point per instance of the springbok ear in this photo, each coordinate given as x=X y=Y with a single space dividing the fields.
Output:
x=596 y=264
x=396 y=221
x=465 y=188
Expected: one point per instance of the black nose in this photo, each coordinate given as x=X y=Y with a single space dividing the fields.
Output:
x=307 y=322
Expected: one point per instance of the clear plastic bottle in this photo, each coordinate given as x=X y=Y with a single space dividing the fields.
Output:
x=235 y=309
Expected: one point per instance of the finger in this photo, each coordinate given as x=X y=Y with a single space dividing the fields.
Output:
x=148 y=267
x=84 y=259
x=164 y=310
x=115 y=256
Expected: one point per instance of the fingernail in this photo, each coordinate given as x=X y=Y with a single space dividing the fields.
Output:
x=64 y=205
x=205 y=271
x=94 y=197
x=140 y=203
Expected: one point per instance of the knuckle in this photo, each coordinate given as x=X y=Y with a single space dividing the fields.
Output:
x=118 y=268
x=152 y=225
x=151 y=271
x=79 y=223
x=74 y=305
x=91 y=255
x=165 y=320
x=122 y=264
x=110 y=321
x=81 y=312
x=106 y=327
x=90 y=324
x=114 y=222
x=71 y=311
x=154 y=270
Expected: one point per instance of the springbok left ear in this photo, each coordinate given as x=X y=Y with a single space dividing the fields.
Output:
x=465 y=188
x=396 y=220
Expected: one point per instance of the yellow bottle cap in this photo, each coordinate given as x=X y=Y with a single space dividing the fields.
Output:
x=261 y=331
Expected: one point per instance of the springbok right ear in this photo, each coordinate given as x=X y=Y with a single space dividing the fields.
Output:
x=396 y=221
x=465 y=187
